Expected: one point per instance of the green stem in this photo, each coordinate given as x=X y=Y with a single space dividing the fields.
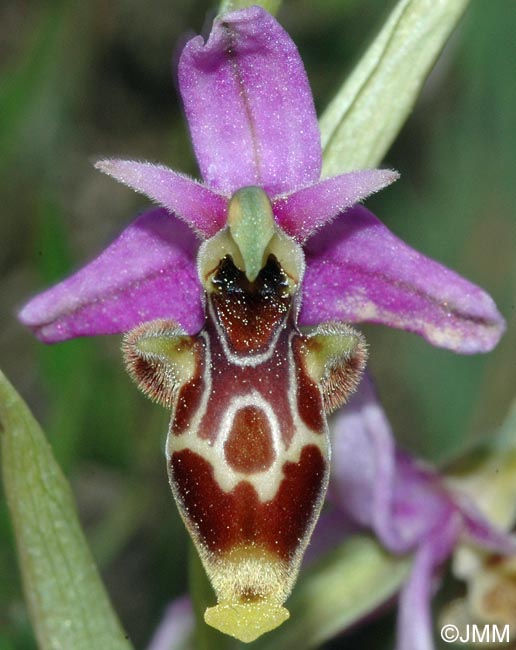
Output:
x=272 y=6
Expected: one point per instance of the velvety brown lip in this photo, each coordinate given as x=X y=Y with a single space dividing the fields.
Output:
x=224 y=520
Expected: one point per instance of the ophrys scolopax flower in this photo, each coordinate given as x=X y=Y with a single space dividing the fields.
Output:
x=214 y=326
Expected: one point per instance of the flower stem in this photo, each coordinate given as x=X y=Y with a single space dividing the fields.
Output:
x=272 y=6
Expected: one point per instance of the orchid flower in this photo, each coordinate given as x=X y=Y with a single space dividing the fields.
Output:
x=409 y=506
x=212 y=287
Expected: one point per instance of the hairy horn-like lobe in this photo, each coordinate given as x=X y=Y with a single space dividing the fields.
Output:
x=335 y=356
x=160 y=358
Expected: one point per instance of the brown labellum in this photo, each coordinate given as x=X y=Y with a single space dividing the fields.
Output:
x=248 y=443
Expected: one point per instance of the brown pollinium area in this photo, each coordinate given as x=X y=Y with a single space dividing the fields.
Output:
x=250 y=312
x=227 y=520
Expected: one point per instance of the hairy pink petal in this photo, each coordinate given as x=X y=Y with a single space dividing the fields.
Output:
x=199 y=207
x=249 y=106
x=358 y=271
x=148 y=272
x=303 y=212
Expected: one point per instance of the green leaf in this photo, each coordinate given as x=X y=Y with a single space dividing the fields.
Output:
x=68 y=604
x=342 y=588
x=368 y=111
x=272 y=6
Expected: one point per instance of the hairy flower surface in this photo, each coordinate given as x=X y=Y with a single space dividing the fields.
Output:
x=410 y=507
x=213 y=287
x=252 y=122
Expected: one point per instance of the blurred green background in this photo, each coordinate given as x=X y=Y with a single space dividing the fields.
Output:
x=80 y=81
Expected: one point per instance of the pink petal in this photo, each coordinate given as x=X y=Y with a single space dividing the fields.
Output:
x=249 y=106
x=302 y=213
x=202 y=209
x=378 y=486
x=481 y=532
x=358 y=271
x=363 y=465
x=414 y=615
x=148 y=272
x=176 y=628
